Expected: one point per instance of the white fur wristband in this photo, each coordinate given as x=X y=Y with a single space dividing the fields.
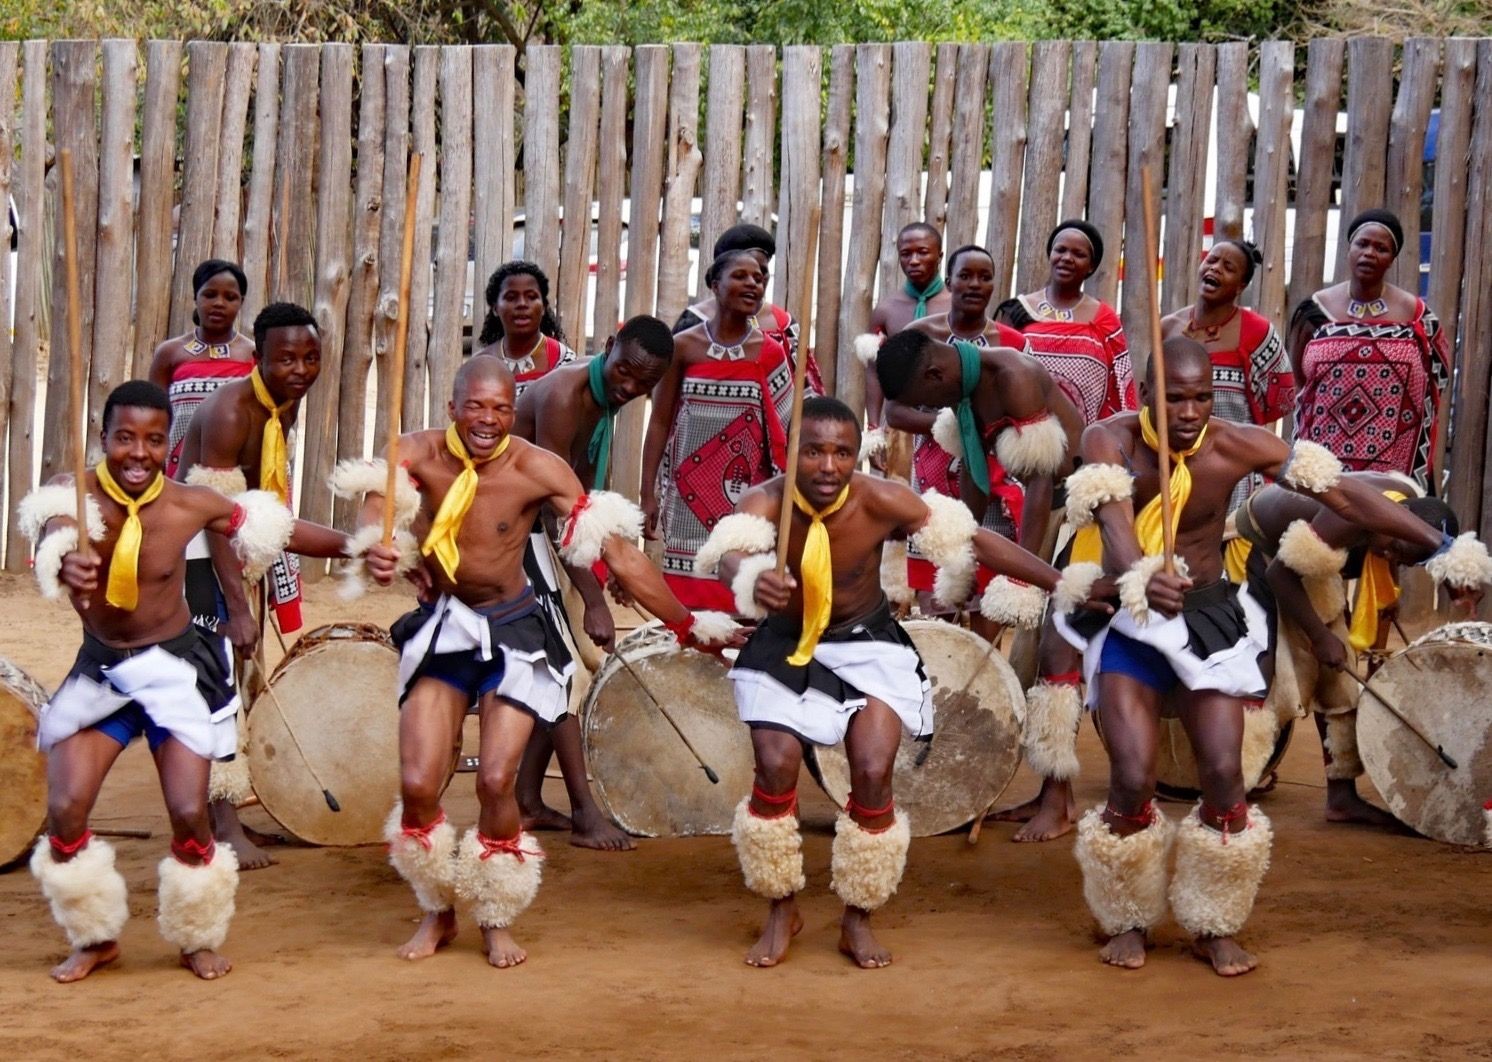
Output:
x=1013 y=604
x=713 y=628
x=743 y=586
x=1134 y=585
x=872 y=443
x=1075 y=586
x=355 y=575
x=1463 y=564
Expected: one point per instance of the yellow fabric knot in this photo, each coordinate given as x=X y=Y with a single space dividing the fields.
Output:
x=1376 y=591
x=816 y=568
x=274 y=455
x=123 y=588
x=441 y=540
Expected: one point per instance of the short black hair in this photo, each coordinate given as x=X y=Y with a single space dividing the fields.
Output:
x=823 y=407
x=744 y=237
x=968 y=248
x=281 y=315
x=649 y=333
x=923 y=227
x=205 y=271
x=1436 y=513
x=899 y=359
x=722 y=262
x=1179 y=349
x=1252 y=258
x=492 y=325
x=136 y=394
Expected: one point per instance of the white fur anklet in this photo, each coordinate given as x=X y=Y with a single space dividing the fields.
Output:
x=424 y=858
x=1124 y=878
x=1013 y=604
x=1218 y=875
x=230 y=780
x=771 y=852
x=196 y=902
x=1053 y=712
x=743 y=586
x=88 y=896
x=867 y=867
x=1341 y=747
x=498 y=878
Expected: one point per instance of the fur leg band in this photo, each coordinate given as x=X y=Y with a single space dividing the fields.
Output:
x=425 y=858
x=353 y=479
x=1013 y=604
x=1218 y=875
x=1075 y=586
x=744 y=584
x=1094 y=485
x=1340 y=746
x=736 y=533
x=1124 y=878
x=196 y=902
x=230 y=780
x=595 y=519
x=498 y=878
x=1053 y=712
x=266 y=528
x=1303 y=552
x=1035 y=448
x=228 y=482
x=770 y=850
x=867 y=867
x=1311 y=468
x=88 y=896
x=868 y=348
x=354 y=582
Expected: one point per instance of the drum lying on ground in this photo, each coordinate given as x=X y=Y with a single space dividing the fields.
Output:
x=978 y=708
x=1440 y=684
x=644 y=776
x=23 y=769
x=338 y=689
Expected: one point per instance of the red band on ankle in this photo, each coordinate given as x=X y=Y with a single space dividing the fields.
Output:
x=1067 y=678
x=853 y=806
x=68 y=848
x=192 y=847
x=1145 y=817
x=510 y=847
x=1239 y=812
x=421 y=834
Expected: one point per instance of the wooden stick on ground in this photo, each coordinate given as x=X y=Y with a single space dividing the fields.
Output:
x=76 y=375
x=1158 y=373
x=401 y=342
x=800 y=368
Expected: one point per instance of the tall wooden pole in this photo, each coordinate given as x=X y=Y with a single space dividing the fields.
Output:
x=401 y=342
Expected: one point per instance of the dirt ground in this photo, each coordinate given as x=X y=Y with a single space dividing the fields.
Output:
x=1372 y=945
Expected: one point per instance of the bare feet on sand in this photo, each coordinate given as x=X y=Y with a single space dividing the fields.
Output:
x=1057 y=814
x=84 y=961
x=247 y=844
x=595 y=830
x=500 y=948
x=1017 y=813
x=1228 y=959
x=1344 y=805
x=206 y=964
x=857 y=941
x=544 y=817
x=435 y=932
x=784 y=922
x=1127 y=950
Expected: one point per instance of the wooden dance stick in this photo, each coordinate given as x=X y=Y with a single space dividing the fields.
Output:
x=1162 y=428
x=401 y=343
x=1445 y=757
x=800 y=368
x=669 y=719
x=75 y=373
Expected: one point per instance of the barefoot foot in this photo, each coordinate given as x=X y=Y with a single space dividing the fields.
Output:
x=1057 y=813
x=545 y=817
x=206 y=964
x=435 y=932
x=1016 y=813
x=857 y=941
x=1228 y=959
x=594 y=830
x=501 y=949
x=1343 y=804
x=1126 y=951
x=784 y=922
x=84 y=961
x=228 y=830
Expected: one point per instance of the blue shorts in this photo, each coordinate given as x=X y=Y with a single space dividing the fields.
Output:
x=467 y=672
x=129 y=723
x=1123 y=655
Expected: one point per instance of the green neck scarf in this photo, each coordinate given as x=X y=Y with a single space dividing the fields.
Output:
x=922 y=296
x=968 y=427
x=599 y=450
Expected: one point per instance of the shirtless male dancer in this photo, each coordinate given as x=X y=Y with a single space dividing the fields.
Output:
x=1304 y=554
x=1192 y=636
x=571 y=412
x=829 y=663
x=144 y=668
x=238 y=436
x=482 y=642
x=923 y=292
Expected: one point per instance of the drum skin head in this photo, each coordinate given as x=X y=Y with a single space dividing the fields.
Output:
x=340 y=689
x=1440 y=684
x=976 y=745
x=23 y=769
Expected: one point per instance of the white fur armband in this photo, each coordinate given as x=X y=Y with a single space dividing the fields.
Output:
x=713 y=628
x=744 y=583
x=736 y=533
x=947 y=540
x=1463 y=565
x=1304 y=553
x=945 y=433
x=1134 y=585
x=354 y=582
x=229 y=482
x=1094 y=485
x=596 y=517
x=1075 y=586
x=1311 y=467
x=264 y=532
x=1013 y=604
x=48 y=560
x=872 y=442
x=54 y=500
x=353 y=479
x=867 y=347
x=1033 y=449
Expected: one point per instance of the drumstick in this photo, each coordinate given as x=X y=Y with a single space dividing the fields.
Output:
x=401 y=342
x=75 y=373
x=795 y=425
x=326 y=794
x=627 y=665
x=1445 y=757
x=1168 y=533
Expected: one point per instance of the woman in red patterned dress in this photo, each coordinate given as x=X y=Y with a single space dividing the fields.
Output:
x=521 y=328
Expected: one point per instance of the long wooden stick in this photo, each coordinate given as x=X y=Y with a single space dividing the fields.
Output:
x=1162 y=428
x=401 y=342
x=800 y=368
x=1392 y=710
x=75 y=374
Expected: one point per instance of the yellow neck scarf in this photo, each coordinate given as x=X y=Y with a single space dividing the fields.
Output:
x=1087 y=544
x=123 y=589
x=1376 y=591
x=441 y=540
x=817 y=571
x=274 y=457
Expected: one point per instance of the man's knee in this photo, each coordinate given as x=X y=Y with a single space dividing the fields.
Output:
x=67 y=812
x=495 y=781
x=419 y=786
x=871 y=775
x=1221 y=774
x=1130 y=785
x=777 y=765
x=188 y=812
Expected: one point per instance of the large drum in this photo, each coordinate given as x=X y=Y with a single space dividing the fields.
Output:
x=645 y=778
x=23 y=769
x=331 y=705
x=1439 y=683
x=978 y=709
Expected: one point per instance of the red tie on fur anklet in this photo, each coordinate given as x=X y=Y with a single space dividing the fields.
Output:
x=853 y=806
x=1225 y=819
x=510 y=847
x=1067 y=678
x=787 y=801
x=1145 y=818
x=421 y=834
x=69 y=848
x=192 y=847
